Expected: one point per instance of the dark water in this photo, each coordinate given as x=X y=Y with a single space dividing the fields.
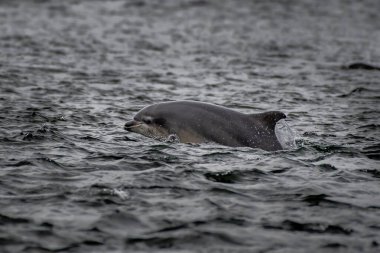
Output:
x=72 y=73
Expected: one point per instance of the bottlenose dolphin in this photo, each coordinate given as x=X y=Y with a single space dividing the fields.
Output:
x=197 y=122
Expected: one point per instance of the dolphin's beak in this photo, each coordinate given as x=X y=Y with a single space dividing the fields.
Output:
x=131 y=124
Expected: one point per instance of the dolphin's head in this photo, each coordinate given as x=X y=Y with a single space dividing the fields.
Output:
x=181 y=119
x=149 y=122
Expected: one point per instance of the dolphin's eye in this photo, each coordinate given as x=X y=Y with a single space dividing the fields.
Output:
x=148 y=120
x=160 y=121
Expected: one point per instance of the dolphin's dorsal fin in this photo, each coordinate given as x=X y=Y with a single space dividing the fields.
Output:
x=269 y=119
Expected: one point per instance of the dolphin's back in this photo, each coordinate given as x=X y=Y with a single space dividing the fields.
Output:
x=222 y=125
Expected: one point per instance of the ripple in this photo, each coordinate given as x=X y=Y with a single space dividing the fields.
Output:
x=309 y=227
x=372 y=152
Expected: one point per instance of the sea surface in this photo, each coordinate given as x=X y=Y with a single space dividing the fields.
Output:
x=73 y=72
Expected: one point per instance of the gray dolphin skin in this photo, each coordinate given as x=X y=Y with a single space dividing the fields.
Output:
x=197 y=122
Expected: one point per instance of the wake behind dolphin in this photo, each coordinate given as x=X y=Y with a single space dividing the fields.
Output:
x=197 y=122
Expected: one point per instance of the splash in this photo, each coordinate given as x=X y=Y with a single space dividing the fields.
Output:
x=173 y=138
x=285 y=135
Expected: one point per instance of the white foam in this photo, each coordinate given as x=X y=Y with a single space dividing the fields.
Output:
x=285 y=135
x=121 y=194
x=173 y=138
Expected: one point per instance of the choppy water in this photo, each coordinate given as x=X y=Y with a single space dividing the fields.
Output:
x=72 y=73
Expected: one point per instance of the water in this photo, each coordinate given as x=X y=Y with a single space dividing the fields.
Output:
x=73 y=72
